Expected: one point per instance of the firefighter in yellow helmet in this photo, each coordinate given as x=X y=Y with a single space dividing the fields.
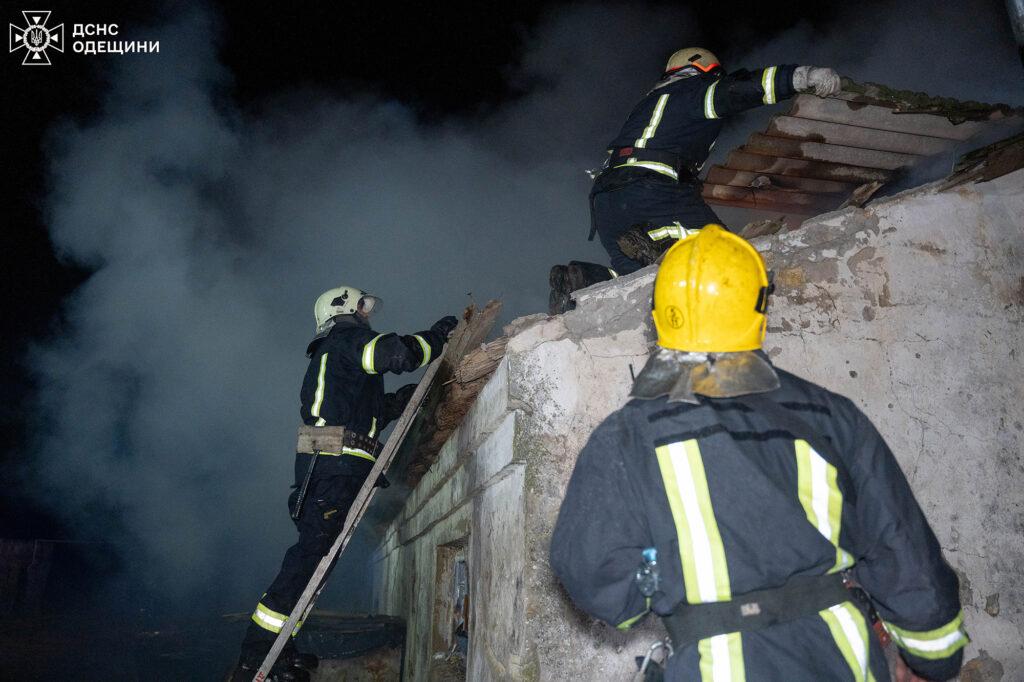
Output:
x=741 y=504
x=649 y=181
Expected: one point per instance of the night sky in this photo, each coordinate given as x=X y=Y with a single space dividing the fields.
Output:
x=441 y=59
x=170 y=218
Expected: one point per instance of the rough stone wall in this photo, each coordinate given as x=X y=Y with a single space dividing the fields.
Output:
x=472 y=496
x=911 y=307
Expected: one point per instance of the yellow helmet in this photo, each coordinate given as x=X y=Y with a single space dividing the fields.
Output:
x=711 y=294
x=705 y=60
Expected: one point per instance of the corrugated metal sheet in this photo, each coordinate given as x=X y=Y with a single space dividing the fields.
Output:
x=813 y=158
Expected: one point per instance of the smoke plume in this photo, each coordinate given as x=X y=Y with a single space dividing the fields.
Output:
x=169 y=400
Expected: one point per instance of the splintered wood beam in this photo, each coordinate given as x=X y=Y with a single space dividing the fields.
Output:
x=465 y=370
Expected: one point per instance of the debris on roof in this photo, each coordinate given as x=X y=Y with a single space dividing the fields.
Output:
x=910 y=102
x=468 y=364
x=825 y=153
x=989 y=162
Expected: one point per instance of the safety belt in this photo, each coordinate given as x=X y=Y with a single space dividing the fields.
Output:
x=801 y=596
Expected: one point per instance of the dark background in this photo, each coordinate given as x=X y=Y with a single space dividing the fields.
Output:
x=451 y=67
x=423 y=55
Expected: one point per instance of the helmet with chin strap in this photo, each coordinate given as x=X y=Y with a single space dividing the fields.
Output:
x=342 y=300
x=697 y=57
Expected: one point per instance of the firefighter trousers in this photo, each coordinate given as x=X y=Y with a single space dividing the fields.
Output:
x=321 y=519
x=649 y=199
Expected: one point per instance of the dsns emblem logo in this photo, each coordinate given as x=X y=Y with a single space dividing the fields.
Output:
x=35 y=38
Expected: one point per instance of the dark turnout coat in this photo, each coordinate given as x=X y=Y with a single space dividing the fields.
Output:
x=735 y=502
x=344 y=383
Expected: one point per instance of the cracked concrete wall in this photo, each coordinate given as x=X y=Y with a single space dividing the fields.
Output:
x=911 y=307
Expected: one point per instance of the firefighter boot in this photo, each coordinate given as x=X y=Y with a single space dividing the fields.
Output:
x=645 y=245
x=294 y=658
x=559 y=301
x=583 y=274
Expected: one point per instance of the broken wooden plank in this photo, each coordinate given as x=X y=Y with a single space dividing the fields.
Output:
x=804 y=168
x=818 y=151
x=448 y=400
x=856 y=136
x=721 y=175
x=811 y=202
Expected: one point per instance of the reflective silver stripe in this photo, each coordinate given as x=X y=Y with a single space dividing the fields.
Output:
x=368 y=355
x=318 y=398
x=768 y=84
x=932 y=644
x=652 y=125
x=819 y=494
x=426 y=349
x=355 y=452
x=373 y=427
x=662 y=168
x=675 y=230
x=268 y=619
x=850 y=632
x=709 y=101
x=614 y=274
x=721 y=658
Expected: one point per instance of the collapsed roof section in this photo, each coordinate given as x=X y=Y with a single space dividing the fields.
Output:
x=824 y=153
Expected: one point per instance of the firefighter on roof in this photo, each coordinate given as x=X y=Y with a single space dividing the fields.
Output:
x=343 y=387
x=649 y=180
x=739 y=503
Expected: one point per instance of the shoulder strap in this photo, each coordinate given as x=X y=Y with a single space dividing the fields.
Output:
x=796 y=425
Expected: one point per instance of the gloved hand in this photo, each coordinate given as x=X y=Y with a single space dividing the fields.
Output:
x=445 y=325
x=819 y=80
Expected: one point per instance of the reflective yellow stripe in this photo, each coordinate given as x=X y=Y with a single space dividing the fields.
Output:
x=652 y=125
x=614 y=274
x=355 y=452
x=627 y=624
x=675 y=230
x=821 y=498
x=768 y=84
x=932 y=644
x=373 y=427
x=426 y=349
x=850 y=632
x=368 y=355
x=709 y=102
x=318 y=398
x=268 y=619
x=721 y=658
x=705 y=572
x=662 y=168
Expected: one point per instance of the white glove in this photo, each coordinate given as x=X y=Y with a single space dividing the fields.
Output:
x=821 y=81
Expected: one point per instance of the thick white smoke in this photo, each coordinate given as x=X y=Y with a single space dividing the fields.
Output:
x=171 y=395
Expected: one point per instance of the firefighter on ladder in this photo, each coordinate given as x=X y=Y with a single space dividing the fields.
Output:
x=740 y=503
x=647 y=194
x=343 y=386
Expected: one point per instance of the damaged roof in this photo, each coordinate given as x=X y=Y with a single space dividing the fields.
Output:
x=824 y=153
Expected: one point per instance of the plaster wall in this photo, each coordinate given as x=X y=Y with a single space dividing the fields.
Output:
x=912 y=307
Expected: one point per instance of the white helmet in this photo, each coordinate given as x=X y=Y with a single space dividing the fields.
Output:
x=341 y=300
